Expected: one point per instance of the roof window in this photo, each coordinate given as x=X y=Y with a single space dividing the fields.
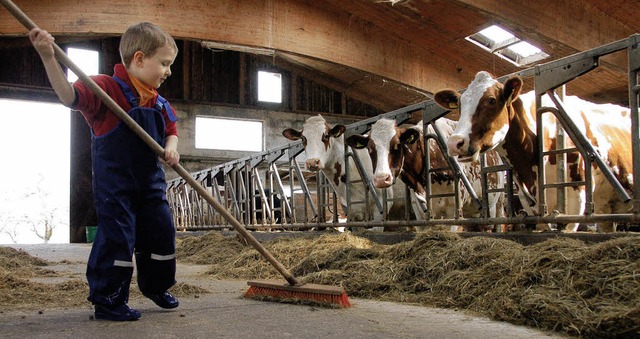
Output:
x=502 y=43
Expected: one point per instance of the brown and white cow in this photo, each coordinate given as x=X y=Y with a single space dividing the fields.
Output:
x=324 y=148
x=399 y=152
x=496 y=115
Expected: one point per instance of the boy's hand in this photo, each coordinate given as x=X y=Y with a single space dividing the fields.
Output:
x=43 y=42
x=171 y=156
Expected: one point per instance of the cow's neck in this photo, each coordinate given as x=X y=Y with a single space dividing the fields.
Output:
x=334 y=168
x=414 y=171
x=521 y=147
x=413 y=168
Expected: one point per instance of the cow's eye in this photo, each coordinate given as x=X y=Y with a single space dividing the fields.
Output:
x=325 y=136
x=491 y=101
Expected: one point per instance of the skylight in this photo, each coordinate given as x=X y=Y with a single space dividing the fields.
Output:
x=502 y=43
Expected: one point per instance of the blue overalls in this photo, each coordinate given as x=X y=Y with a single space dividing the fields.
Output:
x=133 y=213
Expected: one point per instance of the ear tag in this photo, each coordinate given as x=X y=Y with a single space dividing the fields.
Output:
x=453 y=105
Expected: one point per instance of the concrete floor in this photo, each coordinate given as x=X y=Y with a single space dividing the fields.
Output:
x=223 y=313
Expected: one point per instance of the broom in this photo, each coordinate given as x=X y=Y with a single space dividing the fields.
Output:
x=293 y=291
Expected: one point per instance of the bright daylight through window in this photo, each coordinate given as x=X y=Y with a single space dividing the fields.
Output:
x=34 y=201
x=85 y=59
x=228 y=134
x=502 y=43
x=269 y=87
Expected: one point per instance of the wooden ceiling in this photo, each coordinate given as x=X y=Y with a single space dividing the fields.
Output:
x=386 y=53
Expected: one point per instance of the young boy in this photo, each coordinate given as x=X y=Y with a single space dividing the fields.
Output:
x=128 y=180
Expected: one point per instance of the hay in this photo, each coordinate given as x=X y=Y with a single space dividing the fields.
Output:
x=18 y=291
x=560 y=284
x=209 y=248
x=22 y=264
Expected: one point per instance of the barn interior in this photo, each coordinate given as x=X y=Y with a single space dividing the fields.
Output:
x=345 y=60
x=349 y=61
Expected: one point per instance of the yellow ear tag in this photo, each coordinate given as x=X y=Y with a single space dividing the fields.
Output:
x=453 y=105
x=359 y=145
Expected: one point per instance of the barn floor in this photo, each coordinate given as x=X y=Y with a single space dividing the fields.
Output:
x=223 y=313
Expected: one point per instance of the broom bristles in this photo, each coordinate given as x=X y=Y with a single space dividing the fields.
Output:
x=298 y=297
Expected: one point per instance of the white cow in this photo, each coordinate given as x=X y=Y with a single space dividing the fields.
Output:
x=324 y=147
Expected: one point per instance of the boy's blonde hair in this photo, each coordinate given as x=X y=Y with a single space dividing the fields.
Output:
x=145 y=37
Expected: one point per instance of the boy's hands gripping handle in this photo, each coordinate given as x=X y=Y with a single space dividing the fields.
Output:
x=140 y=132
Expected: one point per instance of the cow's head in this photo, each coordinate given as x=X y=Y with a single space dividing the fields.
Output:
x=319 y=140
x=387 y=145
x=485 y=112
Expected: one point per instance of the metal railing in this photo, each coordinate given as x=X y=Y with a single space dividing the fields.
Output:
x=239 y=184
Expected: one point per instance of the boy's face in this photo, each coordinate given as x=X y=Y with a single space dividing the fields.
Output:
x=154 y=70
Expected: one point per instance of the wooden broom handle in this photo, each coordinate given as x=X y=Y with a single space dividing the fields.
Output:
x=140 y=132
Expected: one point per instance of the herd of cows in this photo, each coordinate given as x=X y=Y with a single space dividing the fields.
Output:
x=495 y=120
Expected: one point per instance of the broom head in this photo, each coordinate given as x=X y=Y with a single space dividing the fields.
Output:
x=309 y=294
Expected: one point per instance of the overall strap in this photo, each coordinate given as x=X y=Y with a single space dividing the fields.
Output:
x=161 y=103
x=128 y=93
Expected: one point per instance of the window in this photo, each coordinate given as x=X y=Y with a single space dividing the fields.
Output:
x=85 y=59
x=502 y=43
x=269 y=87
x=34 y=194
x=228 y=134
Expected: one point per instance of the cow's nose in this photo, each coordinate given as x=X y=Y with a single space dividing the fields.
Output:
x=382 y=180
x=456 y=145
x=313 y=164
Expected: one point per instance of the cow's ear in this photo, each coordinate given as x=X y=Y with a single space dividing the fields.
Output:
x=337 y=130
x=292 y=134
x=512 y=88
x=448 y=99
x=409 y=136
x=358 y=141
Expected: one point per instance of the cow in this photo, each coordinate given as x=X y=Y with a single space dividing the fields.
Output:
x=324 y=148
x=496 y=116
x=399 y=152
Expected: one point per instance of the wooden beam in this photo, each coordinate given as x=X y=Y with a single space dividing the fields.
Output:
x=300 y=27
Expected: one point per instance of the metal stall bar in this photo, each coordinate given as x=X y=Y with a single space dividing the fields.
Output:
x=274 y=177
x=586 y=149
x=212 y=182
x=554 y=74
x=265 y=209
x=294 y=150
x=364 y=179
x=230 y=192
x=243 y=175
x=285 y=206
x=455 y=165
x=633 y=52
